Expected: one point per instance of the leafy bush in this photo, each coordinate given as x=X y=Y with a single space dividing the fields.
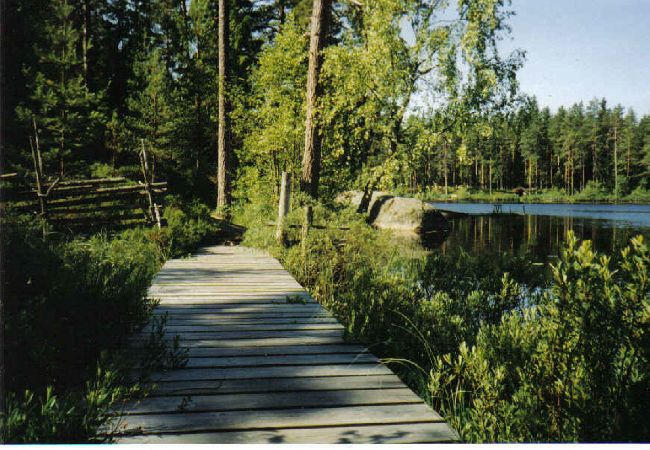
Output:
x=186 y=228
x=593 y=191
x=640 y=194
x=101 y=170
x=574 y=367
x=73 y=416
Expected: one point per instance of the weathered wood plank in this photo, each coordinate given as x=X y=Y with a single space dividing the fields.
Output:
x=261 y=342
x=231 y=335
x=281 y=418
x=213 y=299
x=230 y=320
x=237 y=373
x=256 y=350
x=236 y=308
x=282 y=360
x=342 y=383
x=269 y=400
x=199 y=328
x=406 y=433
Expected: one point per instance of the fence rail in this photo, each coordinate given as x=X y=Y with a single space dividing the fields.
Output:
x=106 y=202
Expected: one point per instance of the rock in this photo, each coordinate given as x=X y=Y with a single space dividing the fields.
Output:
x=353 y=198
x=398 y=213
x=407 y=214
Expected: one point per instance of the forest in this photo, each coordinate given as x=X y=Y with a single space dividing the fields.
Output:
x=440 y=108
x=406 y=96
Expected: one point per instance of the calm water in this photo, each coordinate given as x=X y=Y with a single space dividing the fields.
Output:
x=540 y=229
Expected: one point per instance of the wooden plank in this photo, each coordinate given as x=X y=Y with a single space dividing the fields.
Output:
x=269 y=400
x=63 y=192
x=341 y=383
x=90 y=181
x=332 y=370
x=261 y=342
x=199 y=328
x=220 y=291
x=283 y=360
x=281 y=418
x=234 y=335
x=206 y=310
x=405 y=433
x=264 y=317
x=229 y=320
x=95 y=208
x=227 y=299
x=255 y=283
x=338 y=347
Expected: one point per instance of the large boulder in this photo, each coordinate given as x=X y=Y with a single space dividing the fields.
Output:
x=398 y=213
x=353 y=198
x=406 y=214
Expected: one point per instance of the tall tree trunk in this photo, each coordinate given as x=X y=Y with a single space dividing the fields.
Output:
x=86 y=25
x=312 y=153
x=223 y=136
x=615 y=163
x=279 y=4
x=445 y=170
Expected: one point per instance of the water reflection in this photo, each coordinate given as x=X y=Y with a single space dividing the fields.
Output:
x=537 y=236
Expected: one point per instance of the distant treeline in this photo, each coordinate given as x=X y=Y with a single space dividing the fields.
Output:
x=534 y=148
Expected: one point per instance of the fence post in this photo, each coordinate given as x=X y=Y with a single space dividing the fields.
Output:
x=154 y=212
x=283 y=207
x=309 y=217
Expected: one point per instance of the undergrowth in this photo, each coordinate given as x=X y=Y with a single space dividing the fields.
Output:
x=71 y=304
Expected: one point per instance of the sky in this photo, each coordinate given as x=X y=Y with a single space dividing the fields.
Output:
x=580 y=49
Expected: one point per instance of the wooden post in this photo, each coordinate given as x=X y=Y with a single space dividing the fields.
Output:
x=309 y=217
x=283 y=207
x=153 y=207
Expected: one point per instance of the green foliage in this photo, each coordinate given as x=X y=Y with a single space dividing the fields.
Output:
x=573 y=368
x=70 y=416
x=68 y=301
x=593 y=191
x=66 y=112
x=186 y=229
x=275 y=110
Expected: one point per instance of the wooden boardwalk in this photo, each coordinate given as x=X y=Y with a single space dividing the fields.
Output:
x=267 y=364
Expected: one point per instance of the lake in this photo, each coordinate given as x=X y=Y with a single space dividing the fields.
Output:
x=539 y=230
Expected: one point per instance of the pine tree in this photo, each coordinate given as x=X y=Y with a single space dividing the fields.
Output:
x=67 y=114
x=311 y=161
x=149 y=108
x=223 y=132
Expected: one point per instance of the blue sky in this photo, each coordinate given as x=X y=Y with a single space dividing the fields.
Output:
x=580 y=49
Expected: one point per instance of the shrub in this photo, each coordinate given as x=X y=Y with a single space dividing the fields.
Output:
x=593 y=191
x=575 y=367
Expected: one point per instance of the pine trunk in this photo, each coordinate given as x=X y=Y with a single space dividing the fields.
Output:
x=86 y=25
x=615 y=163
x=223 y=136
x=312 y=153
